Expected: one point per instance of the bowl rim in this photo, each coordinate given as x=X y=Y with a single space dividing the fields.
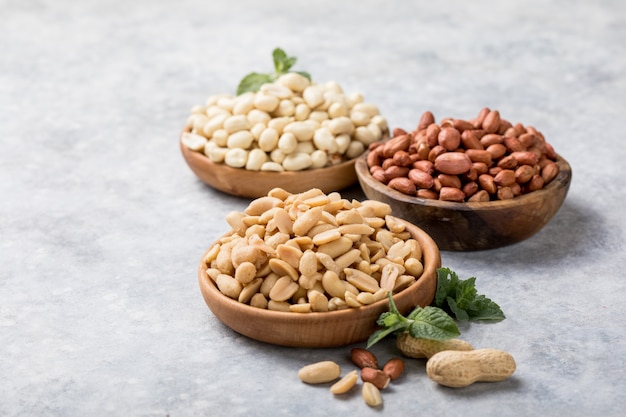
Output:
x=431 y=262
x=562 y=179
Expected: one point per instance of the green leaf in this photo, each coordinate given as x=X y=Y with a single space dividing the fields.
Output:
x=457 y=312
x=428 y=322
x=378 y=335
x=282 y=62
x=460 y=299
x=253 y=82
x=282 y=65
x=487 y=310
x=433 y=323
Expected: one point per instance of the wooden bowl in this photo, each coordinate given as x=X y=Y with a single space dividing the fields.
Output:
x=327 y=329
x=474 y=226
x=252 y=184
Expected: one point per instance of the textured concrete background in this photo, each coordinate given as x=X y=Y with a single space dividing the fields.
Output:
x=102 y=224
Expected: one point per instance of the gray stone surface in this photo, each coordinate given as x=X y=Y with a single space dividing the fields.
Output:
x=102 y=224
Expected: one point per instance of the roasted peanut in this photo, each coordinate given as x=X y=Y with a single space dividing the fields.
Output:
x=462 y=368
x=319 y=372
x=345 y=384
x=371 y=395
x=313 y=252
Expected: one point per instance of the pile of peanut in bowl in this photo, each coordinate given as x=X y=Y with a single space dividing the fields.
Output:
x=478 y=160
x=313 y=252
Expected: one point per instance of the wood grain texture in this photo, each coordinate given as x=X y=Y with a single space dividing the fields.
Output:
x=253 y=184
x=474 y=226
x=327 y=329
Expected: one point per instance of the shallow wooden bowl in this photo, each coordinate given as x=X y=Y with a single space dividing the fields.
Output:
x=328 y=329
x=253 y=184
x=474 y=226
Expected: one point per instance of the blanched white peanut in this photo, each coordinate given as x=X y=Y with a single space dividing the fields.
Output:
x=292 y=105
x=266 y=102
x=256 y=159
x=355 y=149
x=287 y=143
x=274 y=89
x=302 y=112
x=213 y=124
x=256 y=130
x=324 y=140
x=256 y=116
x=236 y=123
x=337 y=109
x=365 y=135
x=241 y=139
x=360 y=118
x=215 y=153
x=319 y=159
x=285 y=108
x=272 y=167
x=301 y=130
x=279 y=123
x=268 y=140
x=297 y=161
x=296 y=82
x=236 y=157
x=313 y=96
x=243 y=103
x=341 y=125
x=193 y=141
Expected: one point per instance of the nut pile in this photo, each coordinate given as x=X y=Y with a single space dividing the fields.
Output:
x=312 y=252
x=374 y=379
x=477 y=160
x=289 y=125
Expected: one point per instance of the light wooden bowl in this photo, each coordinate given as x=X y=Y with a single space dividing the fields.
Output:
x=253 y=184
x=327 y=329
x=474 y=226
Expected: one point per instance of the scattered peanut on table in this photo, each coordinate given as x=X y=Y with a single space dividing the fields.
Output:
x=462 y=368
x=478 y=160
x=291 y=124
x=312 y=252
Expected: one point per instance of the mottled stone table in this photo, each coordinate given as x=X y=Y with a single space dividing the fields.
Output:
x=103 y=224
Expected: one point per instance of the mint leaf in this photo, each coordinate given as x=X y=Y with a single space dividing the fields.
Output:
x=253 y=82
x=428 y=323
x=282 y=65
x=378 y=335
x=282 y=62
x=487 y=310
x=460 y=299
x=432 y=323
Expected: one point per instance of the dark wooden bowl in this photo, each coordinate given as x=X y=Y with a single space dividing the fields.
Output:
x=473 y=226
x=252 y=184
x=327 y=329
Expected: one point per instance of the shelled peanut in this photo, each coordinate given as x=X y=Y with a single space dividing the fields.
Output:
x=483 y=159
x=313 y=252
x=292 y=124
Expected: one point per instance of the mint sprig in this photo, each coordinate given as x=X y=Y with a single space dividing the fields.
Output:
x=427 y=323
x=460 y=299
x=282 y=65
